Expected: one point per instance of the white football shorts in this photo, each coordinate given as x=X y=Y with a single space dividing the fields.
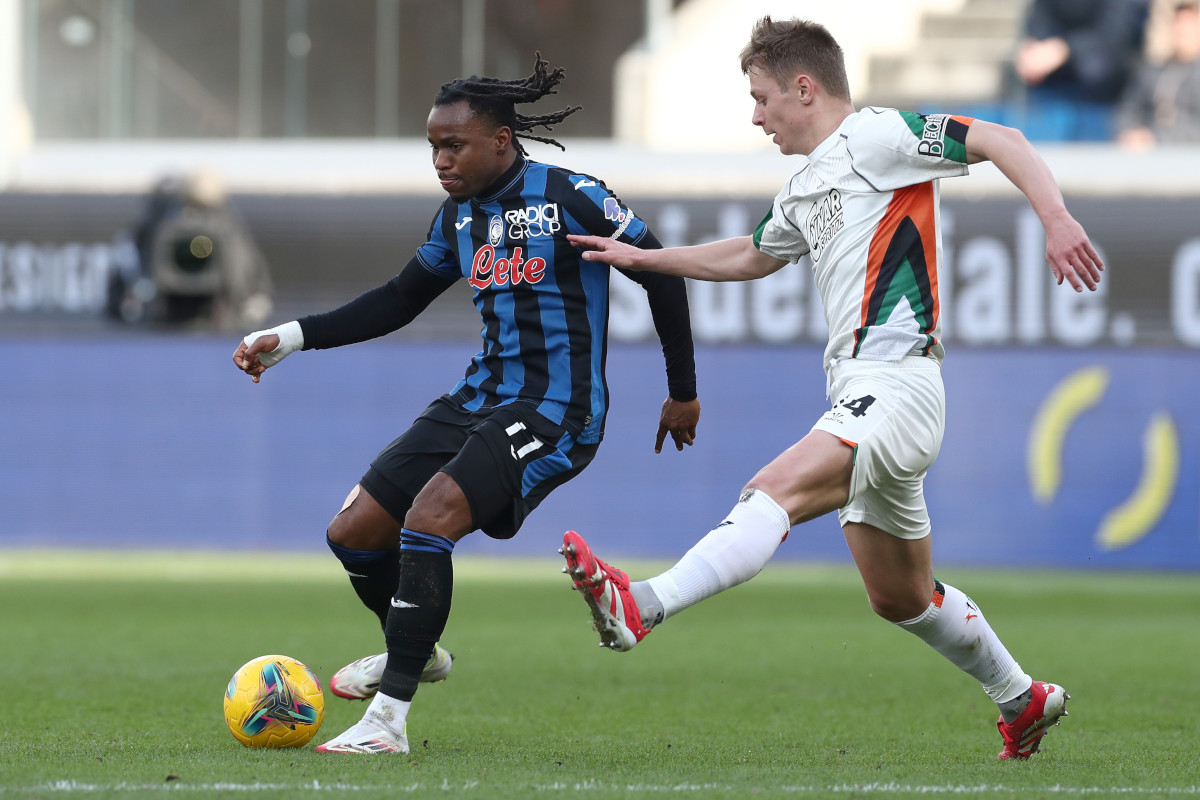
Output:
x=893 y=413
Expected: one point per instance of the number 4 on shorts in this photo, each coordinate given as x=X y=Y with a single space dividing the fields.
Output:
x=858 y=407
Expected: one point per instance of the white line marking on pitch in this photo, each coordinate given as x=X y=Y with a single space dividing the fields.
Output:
x=67 y=787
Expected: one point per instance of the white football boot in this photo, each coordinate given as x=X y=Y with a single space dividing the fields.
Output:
x=374 y=733
x=359 y=680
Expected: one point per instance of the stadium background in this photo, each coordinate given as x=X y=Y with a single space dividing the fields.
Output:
x=1071 y=433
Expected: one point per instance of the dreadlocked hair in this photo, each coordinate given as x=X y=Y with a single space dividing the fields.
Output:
x=497 y=99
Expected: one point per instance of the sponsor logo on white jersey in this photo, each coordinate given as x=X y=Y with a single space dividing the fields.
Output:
x=933 y=136
x=825 y=220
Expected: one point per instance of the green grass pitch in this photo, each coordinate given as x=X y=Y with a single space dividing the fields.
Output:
x=114 y=666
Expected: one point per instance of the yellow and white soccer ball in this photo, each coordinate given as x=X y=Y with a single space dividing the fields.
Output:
x=274 y=701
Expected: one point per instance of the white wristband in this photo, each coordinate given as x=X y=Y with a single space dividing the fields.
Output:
x=291 y=339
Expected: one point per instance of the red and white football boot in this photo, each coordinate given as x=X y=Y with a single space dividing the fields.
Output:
x=606 y=590
x=1023 y=735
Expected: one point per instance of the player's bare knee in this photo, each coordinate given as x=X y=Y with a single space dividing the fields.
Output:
x=898 y=607
x=441 y=509
x=362 y=524
x=340 y=530
x=802 y=500
x=417 y=519
x=432 y=518
x=771 y=483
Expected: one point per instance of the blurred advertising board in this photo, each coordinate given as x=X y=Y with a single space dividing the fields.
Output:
x=56 y=251
x=1086 y=459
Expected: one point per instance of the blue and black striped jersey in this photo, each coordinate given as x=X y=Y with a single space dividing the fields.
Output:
x=544 y=309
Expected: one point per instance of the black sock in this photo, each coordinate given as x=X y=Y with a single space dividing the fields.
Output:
x=419 y=610
x=374 y=574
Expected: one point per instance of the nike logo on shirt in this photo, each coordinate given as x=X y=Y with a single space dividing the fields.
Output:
x=401 y=604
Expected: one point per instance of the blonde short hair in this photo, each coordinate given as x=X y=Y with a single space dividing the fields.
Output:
x=785 y=49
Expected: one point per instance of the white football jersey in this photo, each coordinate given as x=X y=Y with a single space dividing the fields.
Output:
x=865 y=207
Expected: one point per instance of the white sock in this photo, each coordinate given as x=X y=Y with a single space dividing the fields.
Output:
x=388 y=712
x=731 y=553
x=954 y=626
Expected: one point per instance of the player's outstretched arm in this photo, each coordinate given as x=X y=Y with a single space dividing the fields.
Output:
x=734 y=259
x=263 y=349
x=1069 y=252
x=372 y=314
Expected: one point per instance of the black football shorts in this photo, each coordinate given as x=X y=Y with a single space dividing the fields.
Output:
x=505 y=459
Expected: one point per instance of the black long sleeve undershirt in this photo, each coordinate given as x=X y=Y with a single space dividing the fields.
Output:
x=377 y=312
x=672 y=322
x=396 y=303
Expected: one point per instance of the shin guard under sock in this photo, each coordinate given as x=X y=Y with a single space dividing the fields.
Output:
x=374 y=575
x=418 y=611
x=732 y=553
x=955 y=627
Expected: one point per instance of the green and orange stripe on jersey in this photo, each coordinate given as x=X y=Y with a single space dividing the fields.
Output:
x=902 y=262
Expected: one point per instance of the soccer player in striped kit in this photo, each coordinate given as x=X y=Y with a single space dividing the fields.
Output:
x=865 y=208
x=529 y=413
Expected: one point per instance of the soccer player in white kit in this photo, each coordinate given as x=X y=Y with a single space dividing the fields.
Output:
x=865 y=208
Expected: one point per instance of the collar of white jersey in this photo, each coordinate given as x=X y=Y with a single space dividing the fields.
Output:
x=843 y=132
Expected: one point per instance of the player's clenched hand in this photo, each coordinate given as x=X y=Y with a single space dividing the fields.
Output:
x=679 y=419
x=1071 y=255
x=263 y=349
x=610 y=251
x=246 y=356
